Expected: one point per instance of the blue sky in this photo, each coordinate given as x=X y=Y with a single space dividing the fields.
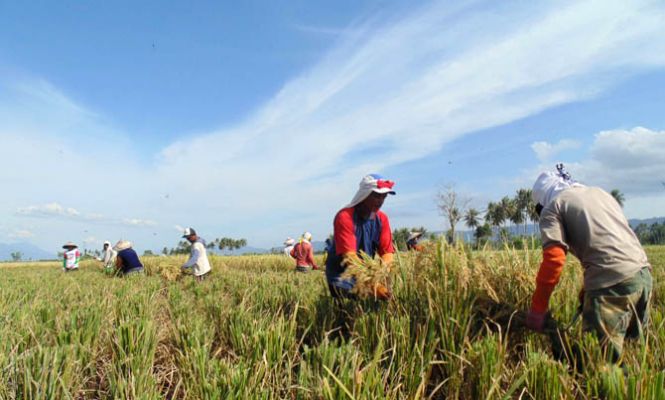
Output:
x=258 y=119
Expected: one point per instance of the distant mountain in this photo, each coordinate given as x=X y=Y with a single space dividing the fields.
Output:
x=648 y=221
x=28 y=252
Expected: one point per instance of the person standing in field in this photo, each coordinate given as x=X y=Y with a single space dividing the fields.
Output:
x=108 y=256
x=361 y=227
x=589 y=222
x=289 y=243
x=198 y=259
x=303 y=253
x=126 y=260
x=71 y=257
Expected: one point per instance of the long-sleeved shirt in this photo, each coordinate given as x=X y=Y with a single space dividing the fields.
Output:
x=304 y=254
x=108 y=257
x=198 y=259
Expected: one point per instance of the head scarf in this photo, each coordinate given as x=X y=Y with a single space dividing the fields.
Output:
x=122 y=245
x=307 y=236
x=371 y=183
x=550 y=184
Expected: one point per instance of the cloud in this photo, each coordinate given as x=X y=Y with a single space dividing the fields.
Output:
x=55 y=210
x=138 y=222
x=388 y=93
x=90 y=240
x=629 y=160
x=546 y=151
x=21 y=234
x=50 y=210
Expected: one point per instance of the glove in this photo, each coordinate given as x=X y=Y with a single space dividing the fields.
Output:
x=381 y=292
x=535 y=321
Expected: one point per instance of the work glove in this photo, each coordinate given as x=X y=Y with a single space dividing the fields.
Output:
x=381 y=292
x=536 y=321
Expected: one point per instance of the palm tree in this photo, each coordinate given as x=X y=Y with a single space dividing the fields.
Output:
x=472 y=218
x=507 y=206
x=523 y=200
x=517 y=213
x=494 y=214
x=618 y=196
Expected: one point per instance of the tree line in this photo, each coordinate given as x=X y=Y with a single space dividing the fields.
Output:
x=224 y=243
x=497 y=217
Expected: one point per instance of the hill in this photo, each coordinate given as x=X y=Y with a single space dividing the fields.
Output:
x=28 y=251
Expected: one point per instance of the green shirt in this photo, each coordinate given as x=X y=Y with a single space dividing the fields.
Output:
x=589 y=222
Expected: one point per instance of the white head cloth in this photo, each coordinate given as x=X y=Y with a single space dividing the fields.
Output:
x=122 y=245
x=371 y=183
x=550 y=184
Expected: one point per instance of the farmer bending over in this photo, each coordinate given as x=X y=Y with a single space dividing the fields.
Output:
x=108 y=256
x=304 y=254
x=127 y=260
x=198 y=258
x=589 y=222
x=361 y=227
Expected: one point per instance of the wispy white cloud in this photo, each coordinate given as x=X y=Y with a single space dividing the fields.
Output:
x=21 y=234
x=50 y=210
x=387 y=94
x=138 y=222
x=55 y=210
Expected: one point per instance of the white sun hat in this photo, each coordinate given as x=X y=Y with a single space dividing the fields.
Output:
x=371 y=183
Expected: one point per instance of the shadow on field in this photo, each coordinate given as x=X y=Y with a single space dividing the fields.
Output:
x=503 y=317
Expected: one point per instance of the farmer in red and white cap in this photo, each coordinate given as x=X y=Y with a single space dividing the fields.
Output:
x=588 y=222
x=361 y=227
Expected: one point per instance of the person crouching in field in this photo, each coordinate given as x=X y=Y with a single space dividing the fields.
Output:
x=108 y=256
x=198 y=258
x=303 y=253
x=412 y=241
x=126 y=260
x=360 y=227
x=589 y=222
x=71 y=257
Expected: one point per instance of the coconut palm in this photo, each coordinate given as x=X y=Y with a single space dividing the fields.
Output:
x=472 y=218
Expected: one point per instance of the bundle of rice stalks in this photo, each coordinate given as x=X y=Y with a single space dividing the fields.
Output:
x=371 y=276
x=166 y=267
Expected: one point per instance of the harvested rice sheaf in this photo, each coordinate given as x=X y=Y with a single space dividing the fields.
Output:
x=372 y=276
x=167 y=268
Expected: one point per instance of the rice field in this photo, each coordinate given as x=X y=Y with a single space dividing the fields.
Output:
x=256 y=329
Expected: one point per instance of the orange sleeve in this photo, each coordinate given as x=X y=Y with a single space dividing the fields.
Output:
x=554 y=258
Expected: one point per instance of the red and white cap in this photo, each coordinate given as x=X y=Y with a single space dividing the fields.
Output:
x=371 y=183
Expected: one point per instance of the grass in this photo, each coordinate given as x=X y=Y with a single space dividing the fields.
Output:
x=256 y=329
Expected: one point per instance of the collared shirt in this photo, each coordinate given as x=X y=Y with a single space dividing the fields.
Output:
x=590 y=223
